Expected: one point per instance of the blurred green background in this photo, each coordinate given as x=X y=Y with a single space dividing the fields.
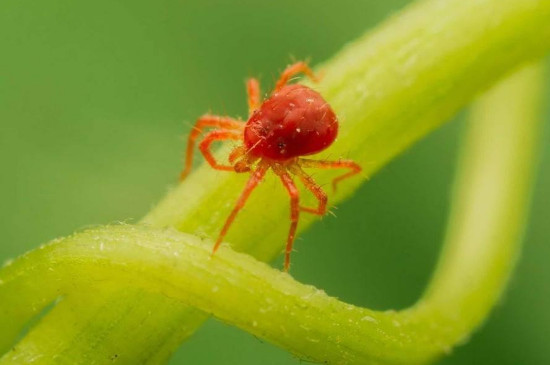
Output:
x=95 y=98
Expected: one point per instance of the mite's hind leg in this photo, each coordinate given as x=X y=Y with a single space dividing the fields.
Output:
x=294 y=213
x=254 y=180
x=205 y=121
x=253 y=91
x=314 y=188
x=292 y=70
x=341 y=164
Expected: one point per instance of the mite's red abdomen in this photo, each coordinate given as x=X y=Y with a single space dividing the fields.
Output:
x=294 y=121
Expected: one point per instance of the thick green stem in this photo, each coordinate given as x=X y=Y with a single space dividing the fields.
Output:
x=389 y=89
x=488 y=211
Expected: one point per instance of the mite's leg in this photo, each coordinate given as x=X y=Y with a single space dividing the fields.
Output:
x=241 y=160
x=254 y=180
x=217 y=135
x=341 y=164
x=315 y=189
x=202 y=122
x=253 y=90
x=294 y=214
x=293 y=70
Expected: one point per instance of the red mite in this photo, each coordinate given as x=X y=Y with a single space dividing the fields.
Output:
x=294 y=121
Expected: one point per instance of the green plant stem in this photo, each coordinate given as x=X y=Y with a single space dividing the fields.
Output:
x=490 y=199
x=389 y=89
x=488 y=212
x=489 y=208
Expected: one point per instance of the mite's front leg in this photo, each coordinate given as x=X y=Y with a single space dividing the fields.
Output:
x=206 y=121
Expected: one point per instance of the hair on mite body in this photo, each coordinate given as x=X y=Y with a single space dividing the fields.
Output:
x=294 y=121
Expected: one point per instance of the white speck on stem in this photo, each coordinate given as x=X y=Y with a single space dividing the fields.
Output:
x=369 y=319
x=8 y=262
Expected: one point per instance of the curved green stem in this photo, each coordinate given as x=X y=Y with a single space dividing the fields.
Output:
x=490 y=198
x=488 y=212
x=389 y=89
